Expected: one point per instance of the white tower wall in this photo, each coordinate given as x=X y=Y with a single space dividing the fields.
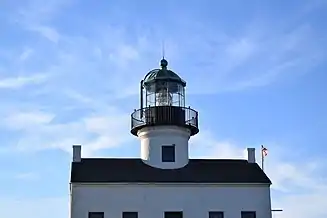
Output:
x=152 y=140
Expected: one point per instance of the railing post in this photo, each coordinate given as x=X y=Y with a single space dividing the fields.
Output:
x=189 y=112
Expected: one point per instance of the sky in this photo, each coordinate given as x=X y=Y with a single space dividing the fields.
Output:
x=70 y=73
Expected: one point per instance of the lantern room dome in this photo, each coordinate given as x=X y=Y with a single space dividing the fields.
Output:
x=162 y=74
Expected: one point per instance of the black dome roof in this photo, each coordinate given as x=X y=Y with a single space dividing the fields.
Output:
x=162 y=74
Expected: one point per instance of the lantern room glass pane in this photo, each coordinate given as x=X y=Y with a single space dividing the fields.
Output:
x=164 y=93
x=150 y=99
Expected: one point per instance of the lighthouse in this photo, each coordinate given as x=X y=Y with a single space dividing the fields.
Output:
x=164 y=181
x=162 y=123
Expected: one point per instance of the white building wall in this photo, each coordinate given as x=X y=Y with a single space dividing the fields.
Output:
x=153 y=138
x=150 y=201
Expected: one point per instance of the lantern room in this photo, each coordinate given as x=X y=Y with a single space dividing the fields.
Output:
x=162 y=87
x=162 y=102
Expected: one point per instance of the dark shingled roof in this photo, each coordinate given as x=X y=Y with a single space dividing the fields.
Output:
x=115 y=170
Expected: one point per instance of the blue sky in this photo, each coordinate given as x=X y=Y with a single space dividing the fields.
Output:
x=70 y=71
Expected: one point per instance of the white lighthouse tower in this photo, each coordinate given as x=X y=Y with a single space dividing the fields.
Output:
x=163 y=123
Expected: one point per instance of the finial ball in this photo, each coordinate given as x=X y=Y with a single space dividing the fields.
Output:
x=163 y=63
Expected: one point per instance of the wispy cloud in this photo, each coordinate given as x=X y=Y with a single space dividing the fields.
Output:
x=30 y=176
x=27 y=119
x=47 y=32
x=98 y=66
x=259 y=58
x=45 y=130
x=26 y=54
x=34 y=15
x=21 y=81
x=234 y=64
x=254 y=57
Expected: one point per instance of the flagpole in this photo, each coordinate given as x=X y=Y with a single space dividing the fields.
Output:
x=262 y=158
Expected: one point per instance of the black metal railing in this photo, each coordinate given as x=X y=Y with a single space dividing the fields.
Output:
x=165 y=115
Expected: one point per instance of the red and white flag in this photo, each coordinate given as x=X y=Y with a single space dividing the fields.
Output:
x=264 y=151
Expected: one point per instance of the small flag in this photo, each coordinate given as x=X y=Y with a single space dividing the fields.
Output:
x=264 y=151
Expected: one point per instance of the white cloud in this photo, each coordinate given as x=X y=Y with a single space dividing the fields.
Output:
x=204 y=145
x=26 y=54
x=26 y=120
x=48 y=32
x=233 y=63
x=124 y=55
x=123 y=64
x=240 y=50
x=251 y=60
x=34 y=14
x=21 y=81
x=258 y=56
x=102 y=129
